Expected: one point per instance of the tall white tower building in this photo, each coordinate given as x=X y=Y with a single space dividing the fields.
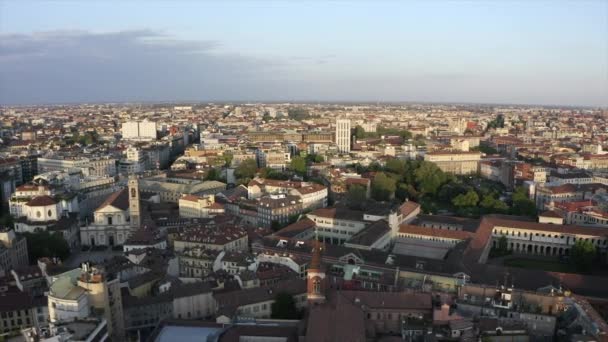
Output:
x=343 y=135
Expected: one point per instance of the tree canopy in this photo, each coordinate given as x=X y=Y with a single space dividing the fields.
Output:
x=284 y=307
x=46 y=244
x=298 y=165
x=383 y=187
x=315 y=158
x=470 y=199
x=298 y=113
x=246 y=170
x=583 y=253
x=356 y=196
x=429 y=178
x=522 y=205
x=270 y=173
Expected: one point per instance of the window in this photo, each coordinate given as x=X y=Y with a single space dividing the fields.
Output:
x=50 y=213
x=316 y=286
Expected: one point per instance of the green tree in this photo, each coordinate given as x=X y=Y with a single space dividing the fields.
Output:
x=405 y=191
x=356 y=196
x=405 y=134
x=383 y=187
x=212 y=174
x=429 y=178
x=298 y=113
x=470 y=199
x=487 y=149
x=227 y=158
x=246 y=170
x=522 y=205
x=46 y=244
x=396 y=166
x=451 y=190
x=315 y=158
x=490 y=204
x=284 y=307
x=298 y=165
x=374 y=166
x=273 y=174
x=583 y=253
x=359 y=132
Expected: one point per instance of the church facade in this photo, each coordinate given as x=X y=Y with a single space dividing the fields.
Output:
x=115 y=219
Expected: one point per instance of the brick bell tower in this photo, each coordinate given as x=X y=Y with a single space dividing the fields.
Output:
x=316 y=280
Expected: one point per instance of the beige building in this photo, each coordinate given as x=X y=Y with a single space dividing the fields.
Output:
x=459 y=163
x=227 y=237
x=111 y=225
x=199 y=206
x=549 y=239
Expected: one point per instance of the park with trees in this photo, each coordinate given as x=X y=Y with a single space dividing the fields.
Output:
x=440 y=192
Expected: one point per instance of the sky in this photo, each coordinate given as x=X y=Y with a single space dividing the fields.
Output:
x=515 y=52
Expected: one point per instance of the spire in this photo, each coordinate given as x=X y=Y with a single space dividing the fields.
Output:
x=316 y=282
x=315 y=263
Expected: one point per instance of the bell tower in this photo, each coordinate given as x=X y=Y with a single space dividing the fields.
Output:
x=134 y=210
x=316 y=281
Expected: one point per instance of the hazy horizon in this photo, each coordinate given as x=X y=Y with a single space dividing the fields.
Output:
x=550 y=53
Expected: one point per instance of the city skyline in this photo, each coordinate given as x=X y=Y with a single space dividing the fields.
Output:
x=545 y=53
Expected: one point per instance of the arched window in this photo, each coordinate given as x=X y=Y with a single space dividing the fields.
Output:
x=133 y=193
x=316 y=286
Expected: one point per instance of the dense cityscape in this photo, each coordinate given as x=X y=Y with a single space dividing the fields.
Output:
x=303 y=222
x=303 y=171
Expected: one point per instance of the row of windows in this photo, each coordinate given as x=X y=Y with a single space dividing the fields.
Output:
x=17 y=313
x=336 y=231
x=338 y=223
x=525 y=234
x=419 y=237
x=389 y=315
x=19 y=322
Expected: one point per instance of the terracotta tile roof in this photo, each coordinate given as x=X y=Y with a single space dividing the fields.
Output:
x=311 y=189
x=338 y=213
x=409 y=207
x=41 y=201
x=31 y=187
x=296 y=228
x=550 y=213
x=563 y=189
x=191 y=198
x=358 y=181
x=340 y=320
x=391 y=300
x=119 y=200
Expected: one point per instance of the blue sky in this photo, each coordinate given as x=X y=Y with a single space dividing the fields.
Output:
x=538 y=52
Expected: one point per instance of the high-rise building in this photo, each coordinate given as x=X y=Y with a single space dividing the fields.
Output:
x=343 y=135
